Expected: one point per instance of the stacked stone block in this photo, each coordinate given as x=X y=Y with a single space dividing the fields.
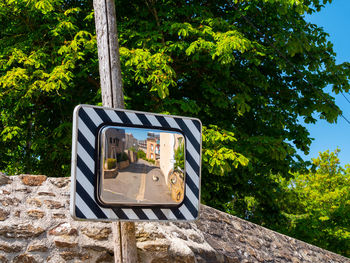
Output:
x=35 y=226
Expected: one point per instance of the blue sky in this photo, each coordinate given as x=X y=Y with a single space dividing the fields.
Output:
x=335 y=20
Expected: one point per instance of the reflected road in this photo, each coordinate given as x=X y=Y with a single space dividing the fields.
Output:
x=140 y=183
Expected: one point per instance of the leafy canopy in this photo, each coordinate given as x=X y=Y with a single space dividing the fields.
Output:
x=318 y=204
x=47 y=64
x=250 y=70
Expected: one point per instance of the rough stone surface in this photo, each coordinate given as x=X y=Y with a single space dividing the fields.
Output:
x=98 y=248
x=24 y=258
x=4 y=214
x=20 y=231
x=53 y=204
x=97 y=233
x=4 y=179
x=36 y=214
x=33 y=180
x=37 y=248
x=61 y=216
x=26 y=190
x=142 y=235
x=8 y=201
x=4 y=192
x=64 y=244
x=37 y=227
x=105 y=257
x=63 y=229
x=3 y=259
x=69 y=255
x=9 y=248
x=60 y=182
x=46 y=193
x=34 y=202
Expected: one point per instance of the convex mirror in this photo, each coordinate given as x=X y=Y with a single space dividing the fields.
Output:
x=134 y=166
x=140 y=167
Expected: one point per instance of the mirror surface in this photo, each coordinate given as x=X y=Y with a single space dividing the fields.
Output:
x=141 y=166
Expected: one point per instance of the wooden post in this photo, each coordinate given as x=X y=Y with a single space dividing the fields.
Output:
x=108 y=54
x=112 y=96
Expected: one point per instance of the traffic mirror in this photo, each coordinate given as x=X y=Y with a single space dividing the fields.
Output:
x=134 y=166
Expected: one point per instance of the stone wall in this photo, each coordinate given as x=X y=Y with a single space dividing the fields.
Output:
x=35 y=226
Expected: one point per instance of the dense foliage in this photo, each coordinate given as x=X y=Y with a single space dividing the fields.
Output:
x=318 y=204
x=250 y=70
x=141 y=154
x=47 y=64
x=179 y=156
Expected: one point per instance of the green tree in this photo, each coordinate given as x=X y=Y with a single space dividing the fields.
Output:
x=318 y=204
x=141 y=154
x=221 y=61
x=180 y=156
x=47 y=64
x=229 y=63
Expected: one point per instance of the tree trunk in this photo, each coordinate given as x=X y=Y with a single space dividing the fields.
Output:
x=112 y=96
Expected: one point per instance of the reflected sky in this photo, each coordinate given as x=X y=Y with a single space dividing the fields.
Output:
x=141 y=133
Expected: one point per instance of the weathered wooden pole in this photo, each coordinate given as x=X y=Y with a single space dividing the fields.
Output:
x=112 y=96
x=108 y=54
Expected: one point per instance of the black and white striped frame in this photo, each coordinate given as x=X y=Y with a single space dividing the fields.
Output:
x=86 y=122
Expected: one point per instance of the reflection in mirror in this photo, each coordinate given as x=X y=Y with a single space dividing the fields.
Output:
x=141 y=166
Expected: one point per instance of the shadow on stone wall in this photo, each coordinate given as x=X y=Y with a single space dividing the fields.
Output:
x=35 y=226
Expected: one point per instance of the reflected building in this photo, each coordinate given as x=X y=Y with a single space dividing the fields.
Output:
x=169 y=142
x=142 y=145
x=153 y=148
x=130 y=141
x=116 y=142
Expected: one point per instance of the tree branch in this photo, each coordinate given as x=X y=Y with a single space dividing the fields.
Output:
x=151 y=8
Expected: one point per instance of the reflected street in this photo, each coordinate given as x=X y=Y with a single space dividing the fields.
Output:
x=141 y=181
x=141 y=166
